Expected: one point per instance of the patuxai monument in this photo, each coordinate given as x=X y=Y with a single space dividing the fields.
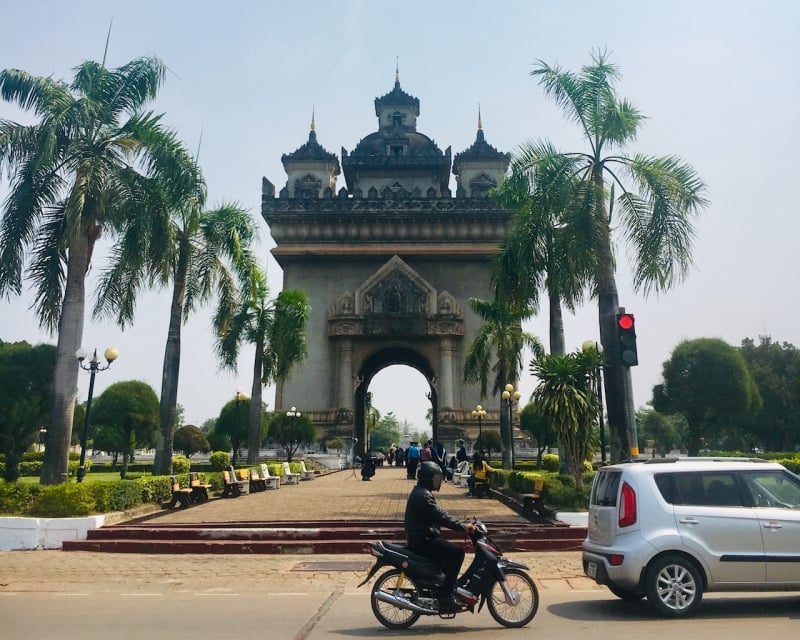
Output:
x=389 y=260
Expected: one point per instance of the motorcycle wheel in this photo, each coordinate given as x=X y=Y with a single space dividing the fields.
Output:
x=525 y=593
x=387 y=614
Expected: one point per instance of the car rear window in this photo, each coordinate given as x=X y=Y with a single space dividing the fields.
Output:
x=605 y=489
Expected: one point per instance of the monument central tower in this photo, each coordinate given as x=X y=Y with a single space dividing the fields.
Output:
x=389 y=262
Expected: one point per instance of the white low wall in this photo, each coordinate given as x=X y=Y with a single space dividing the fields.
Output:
x=44 y=533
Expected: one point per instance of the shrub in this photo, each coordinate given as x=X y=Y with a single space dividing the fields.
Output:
x=792 y=464
x=16 y=499
x=220 y=460
x=181 y=464
x=560 y=493
x=550 y=462
x=63 y=501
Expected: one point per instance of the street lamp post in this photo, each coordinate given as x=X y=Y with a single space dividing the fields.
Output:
x=92 y=367
x=480 y=413
x=597 y=383
x=293 y=414
x=238 y=396
x=511 y=396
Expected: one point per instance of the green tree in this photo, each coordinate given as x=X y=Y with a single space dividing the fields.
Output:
x=497 y=349
x=707 y=382
x=291 y=433
x=277 y=329
x=26 y=377
x=233 y=424
x=540 y=427
x=130 y=409
x=79 y=171
x=776 y=371
x=385 y=432
x=658 y=199
x=201 y=253
x=661 y=428
x=489 y=441
x=564 y=394
x=189 y=439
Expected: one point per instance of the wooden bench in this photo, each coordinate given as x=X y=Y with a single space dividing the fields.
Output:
x=199 y=489
x=180 y=495
x=533 y=503
x=232 y=486
x=256 y=482
x=270 y=481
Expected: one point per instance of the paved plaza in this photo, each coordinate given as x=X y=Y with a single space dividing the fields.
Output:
x=335 y=496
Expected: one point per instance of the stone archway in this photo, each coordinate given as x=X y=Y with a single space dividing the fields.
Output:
x=374 y=364
x=389 y=263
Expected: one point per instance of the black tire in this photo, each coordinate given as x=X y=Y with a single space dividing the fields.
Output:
x=624 y=594
x=387 y=614
x=674 y=586
x=522 y=587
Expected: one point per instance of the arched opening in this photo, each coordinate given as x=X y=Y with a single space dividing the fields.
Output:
x=381 y=361
x=404 y=392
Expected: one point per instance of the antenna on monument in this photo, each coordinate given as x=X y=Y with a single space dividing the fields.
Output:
x=313 y=117
x=397 y=71
x=480 y=124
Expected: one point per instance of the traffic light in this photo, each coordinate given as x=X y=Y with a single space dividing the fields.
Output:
x=626 y=333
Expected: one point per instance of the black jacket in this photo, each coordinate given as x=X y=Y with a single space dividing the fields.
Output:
x=424 y=517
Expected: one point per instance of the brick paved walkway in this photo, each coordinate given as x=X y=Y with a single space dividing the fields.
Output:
x=335 y=496
x=340 y=495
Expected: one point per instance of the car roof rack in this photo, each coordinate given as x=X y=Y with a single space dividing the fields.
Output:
x=703 y=459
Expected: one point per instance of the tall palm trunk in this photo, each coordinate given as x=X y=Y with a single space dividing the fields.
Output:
x=506 y=436
x=557 y=346
x=254 y=422
x=65 y=377
x=167 y=409
x=608 y=306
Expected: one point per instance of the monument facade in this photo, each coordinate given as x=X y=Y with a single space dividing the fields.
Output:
x=389 y=262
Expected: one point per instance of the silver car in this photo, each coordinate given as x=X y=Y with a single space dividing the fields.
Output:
x=671 y=529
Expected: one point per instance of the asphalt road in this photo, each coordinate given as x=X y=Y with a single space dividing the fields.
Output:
x=563 y=615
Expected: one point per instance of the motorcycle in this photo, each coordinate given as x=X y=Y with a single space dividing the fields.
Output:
x=410 y=588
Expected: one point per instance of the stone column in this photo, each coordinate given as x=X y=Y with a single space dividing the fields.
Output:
x=447 y=353
x=344 y=361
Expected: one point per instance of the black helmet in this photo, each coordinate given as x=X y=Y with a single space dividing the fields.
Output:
x=430 y=475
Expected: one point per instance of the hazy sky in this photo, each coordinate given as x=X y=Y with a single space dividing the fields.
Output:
x=717 y=79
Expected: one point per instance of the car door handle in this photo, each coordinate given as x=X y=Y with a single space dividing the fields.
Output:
x=689 y=521
x=773 y=525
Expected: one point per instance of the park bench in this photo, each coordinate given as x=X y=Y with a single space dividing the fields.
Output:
x=243 y=476
x=289 y=477
x=461 y=474
x=271 y=482
x=256 y=482
x=231 y=485
x=305 y=474
x=533 y=503
x=180 y=495
x=199 y=489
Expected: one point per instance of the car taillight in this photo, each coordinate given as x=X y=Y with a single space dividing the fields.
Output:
x=627 y=506
x=616 y=559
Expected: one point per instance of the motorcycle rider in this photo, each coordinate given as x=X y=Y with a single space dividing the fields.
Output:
x=423 y=521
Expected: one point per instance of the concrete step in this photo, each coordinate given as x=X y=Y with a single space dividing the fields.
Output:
x=302 y=537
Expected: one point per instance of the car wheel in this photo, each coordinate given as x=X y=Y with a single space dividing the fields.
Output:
x=624 y=594
x=674 y=586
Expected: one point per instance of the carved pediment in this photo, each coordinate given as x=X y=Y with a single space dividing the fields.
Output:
x=447 y=305
x=307 y=187
x=395 y=288
x=481 y=184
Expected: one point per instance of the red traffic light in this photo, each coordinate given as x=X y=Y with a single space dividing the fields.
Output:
x=625 y=321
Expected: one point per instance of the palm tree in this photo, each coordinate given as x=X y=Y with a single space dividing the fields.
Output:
x=78 y=171
x=201 y=252
x=658 y=199
x=541 y=252
x=277 y=328
x=498 y=348
x=566 y=396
